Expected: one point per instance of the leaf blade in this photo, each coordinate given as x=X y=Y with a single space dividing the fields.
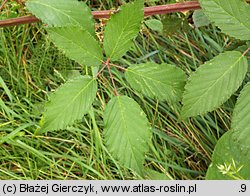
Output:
x=163 y=81
x=69 y=103
x=77 y=44
x=240 y=120
x=232 y=16
x=122 y=28
x=200 y=19
x=125 y=139
x=62 y=13
x=206 y=90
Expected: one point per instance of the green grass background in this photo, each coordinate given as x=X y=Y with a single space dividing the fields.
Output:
x=31 y=68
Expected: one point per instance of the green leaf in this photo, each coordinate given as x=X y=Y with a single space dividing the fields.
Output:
x=229 y=161
x=162 y=81
x=172 y=24
x=77 y=44
x=155 y=25
x=126 y=138
x=232 y=16
x=122 y=28
x=200 y=19
x=213 y=83
x=241 y=121
x=69 y=103
x=63 y=13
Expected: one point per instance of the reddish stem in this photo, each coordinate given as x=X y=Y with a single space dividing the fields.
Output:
x=246 y=52
x=101 y=70
x=119 y=67
x=161 y=9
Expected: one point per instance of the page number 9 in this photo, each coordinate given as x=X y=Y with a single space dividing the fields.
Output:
x=243 y=188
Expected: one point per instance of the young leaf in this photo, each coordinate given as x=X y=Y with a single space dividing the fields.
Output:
x=241 y=120
x=229 y=162
x=69 y=103
x=232 y=16
x=127 y=138
x=155 y=25
x=200 y=19
x=77 y=44
x=165 y=82
x=213 y=83
x=63 y=13
x=172 y=24
x=122 y=28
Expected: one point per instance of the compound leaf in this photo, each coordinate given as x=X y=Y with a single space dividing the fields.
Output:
x=127 y=132
x=69 y=103
x=77 y=44
x=163 y=81
x=232 y=16
x=122 y=28
x=63 y=13
x=213 y=83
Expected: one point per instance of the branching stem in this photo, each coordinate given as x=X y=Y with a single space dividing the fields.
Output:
x=246 y=51
x=111 y=77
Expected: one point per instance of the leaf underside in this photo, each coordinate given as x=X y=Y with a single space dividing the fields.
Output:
x=162 y=81
x=63 y=13
x=70 y=102
x=231 y=16
x=213 y=83
x=77 y=44
x=122 y=28
x=126 y=138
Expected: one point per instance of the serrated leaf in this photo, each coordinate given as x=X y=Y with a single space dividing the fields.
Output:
x=69 y=103
x=77 y=44
x=200 y=19
x=126 y=138
x=62 y=13
x=122 y=28
x=155 y=25
x=228 y=157
x=162 y=81
x=213 y=83
x=232 y=16
x=241 y=121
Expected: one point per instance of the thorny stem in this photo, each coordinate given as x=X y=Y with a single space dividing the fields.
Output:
x=148 y=11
